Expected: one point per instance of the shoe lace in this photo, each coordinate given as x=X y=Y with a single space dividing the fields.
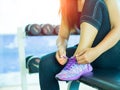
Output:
x=70 y=63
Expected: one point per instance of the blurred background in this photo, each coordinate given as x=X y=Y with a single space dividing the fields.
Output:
x=19 y=13
x=14 y=13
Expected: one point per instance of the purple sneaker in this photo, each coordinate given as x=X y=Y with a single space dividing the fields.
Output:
x=73 y=70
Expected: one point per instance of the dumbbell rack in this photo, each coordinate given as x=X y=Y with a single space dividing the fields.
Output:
x=21 y=34
x=21 y=50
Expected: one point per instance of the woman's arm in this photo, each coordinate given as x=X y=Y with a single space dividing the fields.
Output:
x=90 y=54
x=87 y=36
x=61 y=42
x=63 y=35
x=114 y=35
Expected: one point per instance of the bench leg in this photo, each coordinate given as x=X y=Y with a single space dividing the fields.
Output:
x=73 y=85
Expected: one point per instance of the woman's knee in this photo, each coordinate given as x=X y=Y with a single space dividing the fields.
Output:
x=49 y=63
x=45 y=62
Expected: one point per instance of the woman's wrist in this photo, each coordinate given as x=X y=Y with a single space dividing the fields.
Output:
x=99 y=50
x=61 y=43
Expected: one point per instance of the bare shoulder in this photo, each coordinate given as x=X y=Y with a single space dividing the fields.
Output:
x=114 y=11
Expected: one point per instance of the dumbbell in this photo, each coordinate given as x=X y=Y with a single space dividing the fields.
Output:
x=32 y=64
x=26 y=30
x=33 y=30
x=47 y=29
x=56 y=29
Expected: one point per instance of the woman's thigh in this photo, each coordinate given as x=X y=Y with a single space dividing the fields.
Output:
x=109 y=59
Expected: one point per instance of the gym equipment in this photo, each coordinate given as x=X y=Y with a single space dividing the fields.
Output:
x=32 y=64
x=56 y=29
x=33 y=29
x=47 y=29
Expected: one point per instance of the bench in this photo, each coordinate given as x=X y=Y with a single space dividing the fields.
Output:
x=101 y=79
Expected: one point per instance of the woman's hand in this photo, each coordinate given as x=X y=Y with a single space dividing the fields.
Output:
x=61 y=56
x=61 y=53
x=87 y=55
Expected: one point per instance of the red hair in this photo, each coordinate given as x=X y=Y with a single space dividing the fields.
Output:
x=68 y=9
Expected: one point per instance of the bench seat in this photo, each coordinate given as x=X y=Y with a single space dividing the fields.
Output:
x=102 y=79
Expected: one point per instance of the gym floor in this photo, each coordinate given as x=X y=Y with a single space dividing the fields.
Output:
x=11 y=81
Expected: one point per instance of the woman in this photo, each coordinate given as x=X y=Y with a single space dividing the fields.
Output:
x=99 y=43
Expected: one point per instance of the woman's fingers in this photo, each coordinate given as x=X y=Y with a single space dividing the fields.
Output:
x=80 y=53
x=61 y=58
x=82 y=57
x=82 y=61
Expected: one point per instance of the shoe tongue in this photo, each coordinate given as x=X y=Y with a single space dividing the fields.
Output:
x=71 y=61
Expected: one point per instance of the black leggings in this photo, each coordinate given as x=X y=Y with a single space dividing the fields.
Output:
x=49 y=66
